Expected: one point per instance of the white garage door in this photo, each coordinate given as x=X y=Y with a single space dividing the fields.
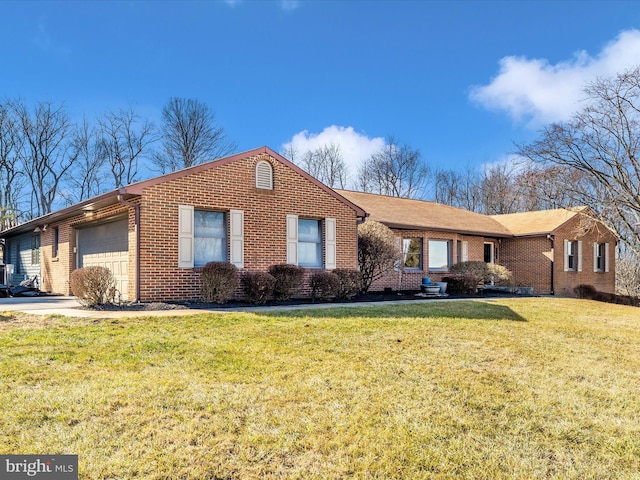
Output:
x=107 y=245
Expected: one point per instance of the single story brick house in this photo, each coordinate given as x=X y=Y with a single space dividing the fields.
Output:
x=256 y=209
x=253 y=209
x=552 y=251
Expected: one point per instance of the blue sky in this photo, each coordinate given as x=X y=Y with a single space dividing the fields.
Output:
x=460 y=81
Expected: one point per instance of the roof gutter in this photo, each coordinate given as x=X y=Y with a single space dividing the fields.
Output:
x=136 y=209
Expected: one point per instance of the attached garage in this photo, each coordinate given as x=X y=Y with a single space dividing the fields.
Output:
x=106 y=245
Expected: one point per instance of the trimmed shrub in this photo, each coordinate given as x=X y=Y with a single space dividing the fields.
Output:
x=483 y=272
x=378 y=252
x=461 y=283
x=350 y=282
x=324 y=285
x=288 y=279
x=590 y=293
x=258 y=286
x=93 y=286
x=585 y=291
x=219 y=281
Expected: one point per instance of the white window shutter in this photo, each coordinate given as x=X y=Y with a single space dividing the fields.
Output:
x=330 y=262
x=236 y=237
x=292 y=239
x=566 y=255
x=465 y=252
x=185 y=236
x=606 y=257
x=595 y=257
x=579 y=255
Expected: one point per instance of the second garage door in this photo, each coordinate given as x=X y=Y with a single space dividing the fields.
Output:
x=107 y=245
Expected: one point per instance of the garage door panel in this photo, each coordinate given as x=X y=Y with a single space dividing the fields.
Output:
x=107 y=245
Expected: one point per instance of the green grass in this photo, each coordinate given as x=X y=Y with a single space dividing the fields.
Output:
x=526 y=388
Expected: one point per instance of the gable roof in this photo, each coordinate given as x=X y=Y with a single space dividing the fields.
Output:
x=136 y=189
x=541 y=222
x=404 y=213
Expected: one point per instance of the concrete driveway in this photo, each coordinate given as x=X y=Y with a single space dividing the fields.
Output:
x=35 y=304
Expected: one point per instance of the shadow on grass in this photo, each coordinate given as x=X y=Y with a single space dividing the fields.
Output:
x=460 y=310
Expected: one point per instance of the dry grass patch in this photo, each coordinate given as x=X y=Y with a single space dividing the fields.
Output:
x=528 y=388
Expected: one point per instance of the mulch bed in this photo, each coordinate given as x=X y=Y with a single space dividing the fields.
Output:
x=370 y=297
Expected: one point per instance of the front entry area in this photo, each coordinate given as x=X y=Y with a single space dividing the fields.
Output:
x=106 y=245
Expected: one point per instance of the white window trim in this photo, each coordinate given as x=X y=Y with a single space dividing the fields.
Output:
x=428 y=259
x=578 y=255
x=606 y=258
x=186 y=236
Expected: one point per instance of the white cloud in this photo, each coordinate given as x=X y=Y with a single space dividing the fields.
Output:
x=355 y=146
x=540 y=92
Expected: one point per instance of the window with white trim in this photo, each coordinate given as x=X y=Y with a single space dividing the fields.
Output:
x=572 y=256
x=209 y=237
x=412 y=253
x=600 y=257
x=306 y=245
x=309 y=243
x=439 y=255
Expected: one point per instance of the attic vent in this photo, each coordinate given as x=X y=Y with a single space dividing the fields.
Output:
x=264 y=175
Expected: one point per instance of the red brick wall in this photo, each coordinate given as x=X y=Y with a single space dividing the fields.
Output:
x=565 y=282
x=56 y=271
x=531 y=259
x=411 y=279
x=232 y=186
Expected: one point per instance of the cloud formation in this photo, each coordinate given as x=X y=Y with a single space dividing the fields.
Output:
x=538 y=92
x=355 y=146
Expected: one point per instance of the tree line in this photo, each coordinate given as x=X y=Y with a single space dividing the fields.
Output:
x=46 y=158
x=590 y=160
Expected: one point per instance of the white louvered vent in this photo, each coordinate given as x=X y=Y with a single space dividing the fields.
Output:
x=264 y=175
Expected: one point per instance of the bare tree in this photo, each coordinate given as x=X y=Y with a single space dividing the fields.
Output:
x=327 y=165
x=11 y=175
x=396 y=170
x=190 y=135
x=124 y=140
x=458 y=189
x=628 y=274
x=500 y=190
x=602 y=142
x=46 y=154
x=88 y=179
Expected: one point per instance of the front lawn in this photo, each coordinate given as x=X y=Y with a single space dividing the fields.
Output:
x=525 y=388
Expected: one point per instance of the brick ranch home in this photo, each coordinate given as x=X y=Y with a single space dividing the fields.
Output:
x=552 y=251
x=254 y=209
x=257 y=209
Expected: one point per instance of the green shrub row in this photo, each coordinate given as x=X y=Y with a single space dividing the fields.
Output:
x=589 y=292
x=220 y=281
